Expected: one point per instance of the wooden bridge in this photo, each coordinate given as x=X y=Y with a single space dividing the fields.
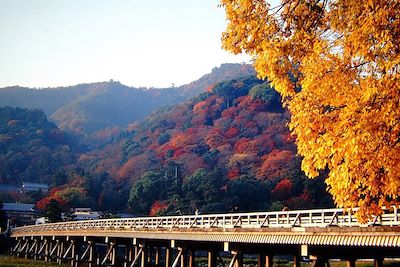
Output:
x=221 y=239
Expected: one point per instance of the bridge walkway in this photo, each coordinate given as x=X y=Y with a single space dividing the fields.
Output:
x=320 y=235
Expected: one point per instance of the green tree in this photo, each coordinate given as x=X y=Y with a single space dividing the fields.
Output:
x=233 y=89
x=204 y=190
x=53 y=211
x=266 y=93
x=247 y=194
x=145 y=191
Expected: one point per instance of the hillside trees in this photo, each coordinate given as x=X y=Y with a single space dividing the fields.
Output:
x=53 y=211
x=31 y=147
x=336 y=64
x=207 y=155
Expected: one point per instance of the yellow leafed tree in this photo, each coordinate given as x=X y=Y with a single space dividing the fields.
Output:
x=337 y=65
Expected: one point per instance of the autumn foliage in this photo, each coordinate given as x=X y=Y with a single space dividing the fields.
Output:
x=157 y=207
x=336 y=64
x=238 y=130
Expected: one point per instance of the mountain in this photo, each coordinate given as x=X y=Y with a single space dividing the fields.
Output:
x=111 y=104
x=225 y=148
x=225 y=72
x=86 y=108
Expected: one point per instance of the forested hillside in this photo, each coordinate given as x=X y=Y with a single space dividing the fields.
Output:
x=227 y=149
x=32 y=148
x=87 y=108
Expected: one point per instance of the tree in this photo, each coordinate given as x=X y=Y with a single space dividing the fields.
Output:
x=336 y=64
x=203 y=190
x=145 y=191
x=53 y=211
x=247 y=194
x=267 y=94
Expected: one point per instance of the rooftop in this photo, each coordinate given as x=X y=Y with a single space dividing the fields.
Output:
x=20 y=207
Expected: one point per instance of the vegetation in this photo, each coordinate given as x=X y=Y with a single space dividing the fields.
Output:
x=31 y=147
x=337 y=66
x=53 y=211
x=7 y=261
x=99 y=111
x=227 y=149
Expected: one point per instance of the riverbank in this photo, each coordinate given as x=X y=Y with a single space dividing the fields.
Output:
x=8 y=261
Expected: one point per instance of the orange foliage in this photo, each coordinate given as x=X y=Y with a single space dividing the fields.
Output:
x=54 y=194
x=276 y=164
x=135 y=167
x=283 y=189
x=233 y=173
x=345 y=56
x=157 y=207
x=215 y=138
x=232 y=132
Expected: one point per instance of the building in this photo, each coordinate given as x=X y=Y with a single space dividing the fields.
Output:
x=26 y=187
x=85 y=214
x=21 y=213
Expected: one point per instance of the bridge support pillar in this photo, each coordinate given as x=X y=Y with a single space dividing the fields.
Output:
x=296 y=261
x=143 y=260
x=378 y=262
x=42 y=243
x=110 y=258
x=157 y=256
x=88 y=253
x=351 y=263
x=317 y=261
x=47 y=248
x=92 y=259
x=191 y=258
x=60 y=251
x=149 y=255
x=212 y=259
x=74 y=254
x=237 y=259
x=129 y=255
x=167 y=257
x=72 y=251
x=178 y=258
x=25 y=249
x=265 y=260
x=183 y=258
x=35 y=249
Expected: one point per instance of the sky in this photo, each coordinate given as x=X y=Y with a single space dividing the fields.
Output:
x=146 y=43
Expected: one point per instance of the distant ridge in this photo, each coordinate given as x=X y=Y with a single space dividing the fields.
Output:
x=85 y=108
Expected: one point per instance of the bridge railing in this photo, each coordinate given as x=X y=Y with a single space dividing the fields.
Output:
x=282 y=219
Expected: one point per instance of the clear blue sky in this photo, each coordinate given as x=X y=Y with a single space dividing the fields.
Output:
x=139 y=43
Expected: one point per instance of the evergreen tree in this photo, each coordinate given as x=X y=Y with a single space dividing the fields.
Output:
x=53 y=211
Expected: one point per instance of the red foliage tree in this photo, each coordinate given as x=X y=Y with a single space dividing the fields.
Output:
x=54 y=194
x=276 y=164
x=232 y=132
x=282 y=190
x=157 y=207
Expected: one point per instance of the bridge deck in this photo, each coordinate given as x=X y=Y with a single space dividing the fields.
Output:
x=314 y=227
x=320 y=234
